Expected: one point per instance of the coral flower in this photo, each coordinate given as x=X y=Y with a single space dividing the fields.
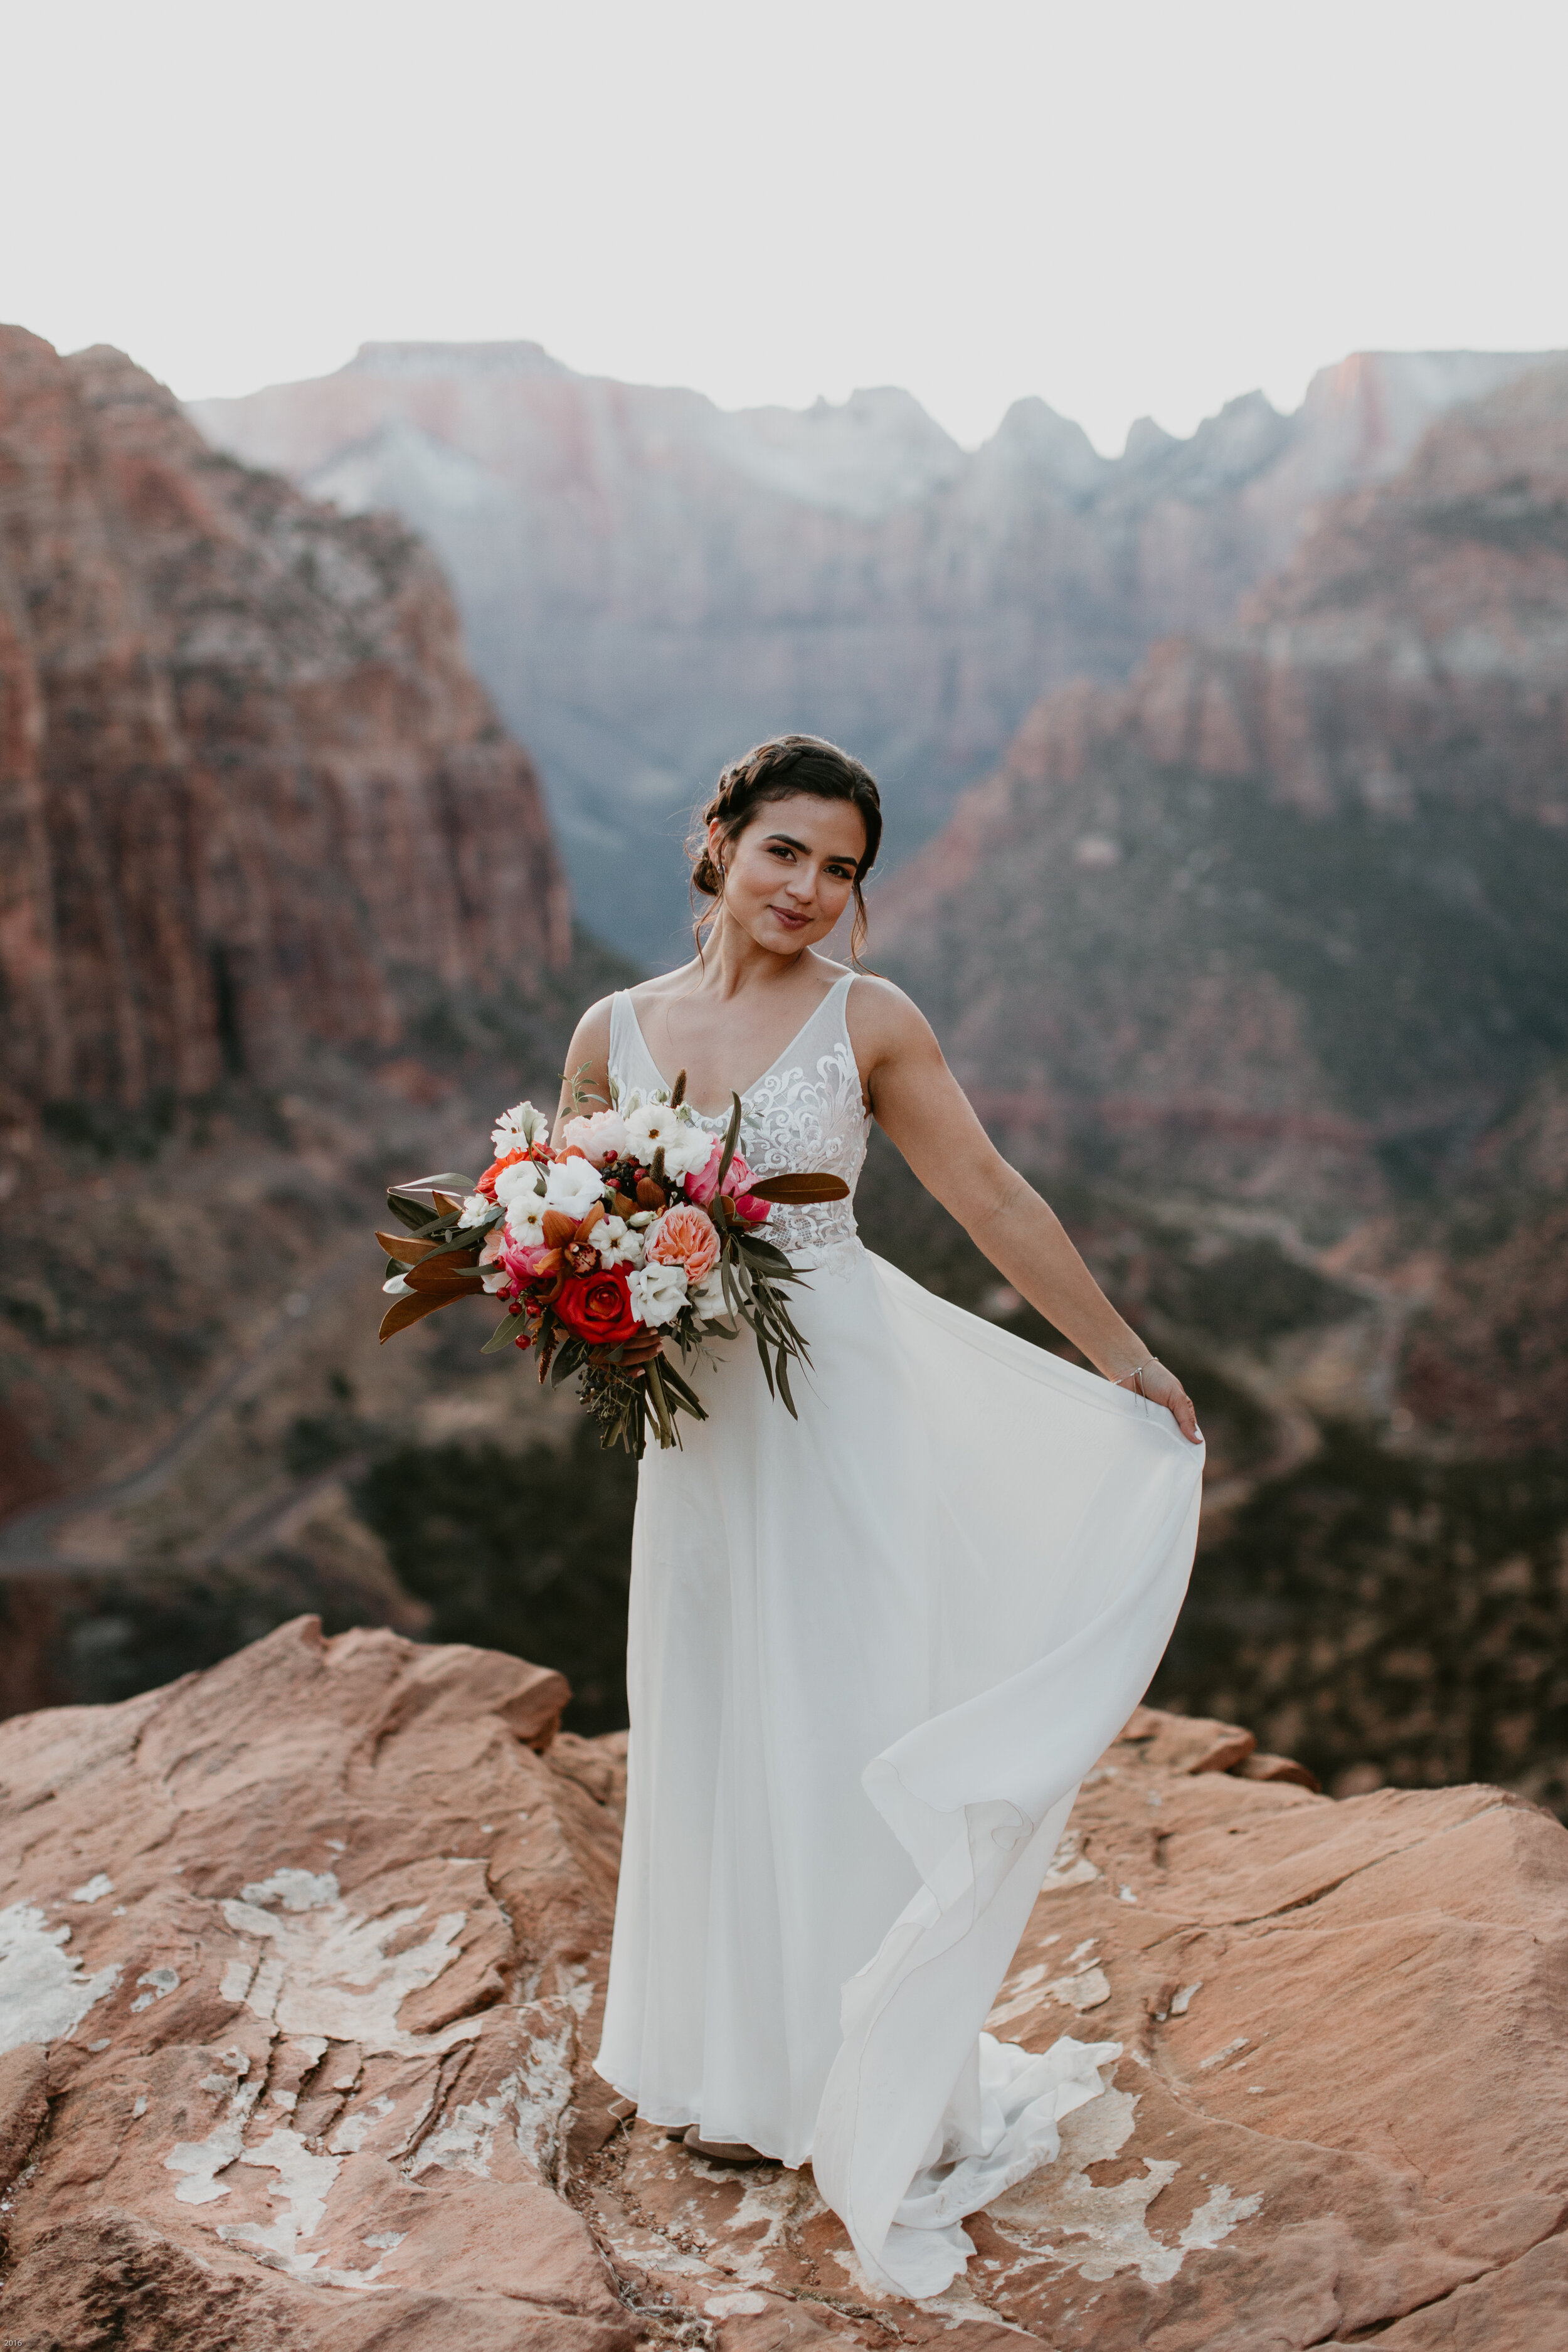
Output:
x=684 y=1236
x=487 y=1184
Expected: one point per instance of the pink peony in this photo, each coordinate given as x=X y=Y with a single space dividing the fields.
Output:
x=684 y=1236
x=522 y=1263
x=600 y=1136
x=737 y=1176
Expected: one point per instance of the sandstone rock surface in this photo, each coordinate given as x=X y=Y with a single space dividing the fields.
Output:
x=299 y=1966
x=650 y=582
x=247 y=783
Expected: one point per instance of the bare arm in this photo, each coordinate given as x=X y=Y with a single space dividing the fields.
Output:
x=587 y=1065
x=920 y=1104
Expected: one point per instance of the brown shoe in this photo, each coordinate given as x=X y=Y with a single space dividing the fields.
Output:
x=724 y=2151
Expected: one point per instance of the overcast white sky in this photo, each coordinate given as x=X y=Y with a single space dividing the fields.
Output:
x=1128 y=206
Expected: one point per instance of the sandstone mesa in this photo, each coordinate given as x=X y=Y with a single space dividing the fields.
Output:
x=300 y=1964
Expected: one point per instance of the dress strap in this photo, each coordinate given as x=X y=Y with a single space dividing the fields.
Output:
x=624 y=1041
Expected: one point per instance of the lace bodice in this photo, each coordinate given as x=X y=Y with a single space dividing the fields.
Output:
x=805 y=1113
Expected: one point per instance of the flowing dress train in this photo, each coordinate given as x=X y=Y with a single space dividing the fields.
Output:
x=872 y=1654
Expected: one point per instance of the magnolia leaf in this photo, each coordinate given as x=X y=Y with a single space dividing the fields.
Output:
x=426 y=1278
x=405 y=1252
x=803 y=1187
x=405 y=1311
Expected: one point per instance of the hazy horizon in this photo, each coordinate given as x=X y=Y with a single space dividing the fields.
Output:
x=1126 y=212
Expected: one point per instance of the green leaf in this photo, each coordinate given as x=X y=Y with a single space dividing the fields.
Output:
x=413 y=1215
x=784 y=1387
x=732 y=1137
x=512 y=1328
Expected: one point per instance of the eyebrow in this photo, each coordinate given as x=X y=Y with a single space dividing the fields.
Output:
x=840 y=856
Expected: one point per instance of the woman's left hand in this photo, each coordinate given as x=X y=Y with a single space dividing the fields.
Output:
x=1160 y=1385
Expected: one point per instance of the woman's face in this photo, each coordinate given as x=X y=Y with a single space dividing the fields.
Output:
x=789 y=876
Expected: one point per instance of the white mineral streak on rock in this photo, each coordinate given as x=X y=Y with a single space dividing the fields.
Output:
x=545 y=2094
x=1019 y=1994
x=304 y=2181
x=296 y=1890
x=777 y=2206
x=740 y=2303
x=1178 y=2001
x=201 y=2160
x=1216 y=2217
x=160 y=1982
x=463 y=2141
x=43 y=1994
x=97 y=1887
x=320 y=1949
x=237 y=1979
x=1088 y=1989
x=1070 y=1867
x=1061 y=2203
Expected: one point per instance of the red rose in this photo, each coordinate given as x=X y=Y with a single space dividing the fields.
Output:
x=598 y=1306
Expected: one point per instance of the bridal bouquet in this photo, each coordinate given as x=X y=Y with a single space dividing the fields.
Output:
x=636 y=1233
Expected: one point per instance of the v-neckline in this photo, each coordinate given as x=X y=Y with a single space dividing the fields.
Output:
x=709 y=1116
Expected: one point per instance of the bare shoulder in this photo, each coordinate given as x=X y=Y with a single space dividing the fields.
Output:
x=885 y=1025
x=593 y=1030
x=660 y=987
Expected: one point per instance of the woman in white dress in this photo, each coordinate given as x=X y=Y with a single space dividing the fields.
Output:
x=872 y=1650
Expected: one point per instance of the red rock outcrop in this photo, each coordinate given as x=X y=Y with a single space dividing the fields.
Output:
x=246 y=779
x=299 y=1967
x=649 y=583
x=1290 y=901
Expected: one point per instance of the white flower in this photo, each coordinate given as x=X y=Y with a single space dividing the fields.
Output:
x=398 y=1287
x=658 y=1293
x=573 y=1186
x=518 y=1127
x=525 y=1219
x=476 y=1208
x=517 y=1182
x=616 y=1244
x=602 y=1136
x=496 y=1280
x=709 y=1300
x=654 y=1126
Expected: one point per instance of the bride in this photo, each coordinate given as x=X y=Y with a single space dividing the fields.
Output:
x=874 y=1650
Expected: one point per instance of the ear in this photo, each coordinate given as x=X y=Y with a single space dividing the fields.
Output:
x=717 y=845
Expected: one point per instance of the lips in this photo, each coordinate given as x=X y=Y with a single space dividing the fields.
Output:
x=794 y=922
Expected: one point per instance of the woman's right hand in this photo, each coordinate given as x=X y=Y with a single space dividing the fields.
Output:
x=1156 y=1382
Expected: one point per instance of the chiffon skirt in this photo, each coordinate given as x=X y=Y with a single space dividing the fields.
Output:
x=872 y=1653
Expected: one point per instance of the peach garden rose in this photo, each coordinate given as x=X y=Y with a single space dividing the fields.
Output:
x=684 y=1236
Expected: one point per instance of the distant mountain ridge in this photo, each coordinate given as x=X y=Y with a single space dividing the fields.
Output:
x=649 y=583
x=1284 y=914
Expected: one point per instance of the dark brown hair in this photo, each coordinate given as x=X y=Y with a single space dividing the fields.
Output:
x=777 y=771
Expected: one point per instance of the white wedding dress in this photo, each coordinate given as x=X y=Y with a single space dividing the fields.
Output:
x=872 y=1653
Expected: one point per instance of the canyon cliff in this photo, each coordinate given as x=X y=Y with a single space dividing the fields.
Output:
x=249 y=785
x=302 y=1968
x=650 y=584
x=1284 y=912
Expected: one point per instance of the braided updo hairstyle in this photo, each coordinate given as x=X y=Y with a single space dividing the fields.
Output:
x=777 y=771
